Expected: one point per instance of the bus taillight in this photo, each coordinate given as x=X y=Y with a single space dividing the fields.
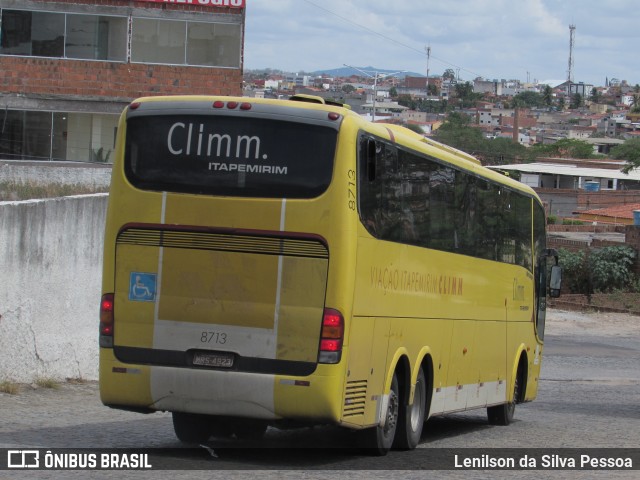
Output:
x=232 y=105
x=106 y=320
x=331 y=337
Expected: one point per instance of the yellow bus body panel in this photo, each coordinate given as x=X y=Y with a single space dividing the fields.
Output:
x=472 y=318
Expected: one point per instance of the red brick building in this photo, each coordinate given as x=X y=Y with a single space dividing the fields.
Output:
x=68 y=67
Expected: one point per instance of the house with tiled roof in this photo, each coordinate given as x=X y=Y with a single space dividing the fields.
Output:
x=617 y=215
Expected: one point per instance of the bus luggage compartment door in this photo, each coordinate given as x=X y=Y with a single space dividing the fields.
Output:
x=181 y=295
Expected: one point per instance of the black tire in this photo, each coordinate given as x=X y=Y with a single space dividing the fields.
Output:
x=192 y=428
x=378 y=440
x=411 y=418
x=503 y=414
x=249 y=429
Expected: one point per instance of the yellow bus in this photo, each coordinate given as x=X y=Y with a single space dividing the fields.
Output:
x=286 y=261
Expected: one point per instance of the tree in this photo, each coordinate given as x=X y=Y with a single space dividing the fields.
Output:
x=449 y=74
x=576 y=101
x=595 y=95
x=565 y=148
x=464 y=92
x=547 y=95
x=457 y=133
x=457 y=120
x=503 y=151
x=635 y=101
x=348 y=88
x=527 y=99
x=629 y=151
x=408 y=101
x=561 y=103
x=393 y=92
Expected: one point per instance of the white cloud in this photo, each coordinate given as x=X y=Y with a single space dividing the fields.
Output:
x=491 y=38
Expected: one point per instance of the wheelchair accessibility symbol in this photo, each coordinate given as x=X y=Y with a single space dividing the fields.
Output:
x=142 y=287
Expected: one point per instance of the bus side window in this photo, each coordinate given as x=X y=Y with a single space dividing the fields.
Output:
x=371 y=159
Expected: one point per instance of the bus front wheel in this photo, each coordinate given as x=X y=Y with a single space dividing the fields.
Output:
x=503 y=414
x=378 y=440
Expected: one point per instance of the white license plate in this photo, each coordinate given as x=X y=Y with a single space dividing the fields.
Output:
x=224 y=360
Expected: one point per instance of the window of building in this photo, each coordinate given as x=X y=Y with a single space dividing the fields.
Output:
x=186 y=43
x=39 y=34
x=213 y=44
x=96 y=37
x=62 y=35
x=100 y=37
x=35 y=135
x=158 y=41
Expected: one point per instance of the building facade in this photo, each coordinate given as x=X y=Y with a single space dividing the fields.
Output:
x=69 y=67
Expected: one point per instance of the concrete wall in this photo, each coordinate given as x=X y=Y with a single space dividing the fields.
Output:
x=64 y=173
x=51 y=270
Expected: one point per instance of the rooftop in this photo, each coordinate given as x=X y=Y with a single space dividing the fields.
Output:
x=570 y=170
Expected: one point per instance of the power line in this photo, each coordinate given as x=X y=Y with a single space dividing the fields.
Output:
x=390 y=39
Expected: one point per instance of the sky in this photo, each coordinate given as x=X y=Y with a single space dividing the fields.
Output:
x=526 y=40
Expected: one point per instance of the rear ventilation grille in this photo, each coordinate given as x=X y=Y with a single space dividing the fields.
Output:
x=355 y=398
x=264 y=245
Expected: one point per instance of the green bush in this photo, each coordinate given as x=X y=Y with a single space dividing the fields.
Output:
x=603 y=270
x=570 y=221
x=575 y=275
x=612 y=268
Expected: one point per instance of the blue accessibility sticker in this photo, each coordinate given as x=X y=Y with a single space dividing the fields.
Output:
x=142 y=287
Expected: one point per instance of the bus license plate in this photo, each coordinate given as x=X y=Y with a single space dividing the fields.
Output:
x=224 y=360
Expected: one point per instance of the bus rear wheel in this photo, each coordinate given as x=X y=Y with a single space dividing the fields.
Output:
x=378 y=440
x=191 y=427
x=249 y=429
x=411 y=418
x=503 y=414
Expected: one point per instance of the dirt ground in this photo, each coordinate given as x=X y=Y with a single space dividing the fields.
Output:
x=612 y=302
x=562 y=322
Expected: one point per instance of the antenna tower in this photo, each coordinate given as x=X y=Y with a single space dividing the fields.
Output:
x=428 y=50
x=572 y=33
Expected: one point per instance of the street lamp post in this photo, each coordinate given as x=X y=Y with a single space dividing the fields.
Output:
x=375 y=77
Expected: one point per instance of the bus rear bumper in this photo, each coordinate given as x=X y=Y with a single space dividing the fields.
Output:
x=219 y=392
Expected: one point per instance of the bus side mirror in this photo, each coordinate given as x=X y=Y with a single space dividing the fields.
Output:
x=555 y=282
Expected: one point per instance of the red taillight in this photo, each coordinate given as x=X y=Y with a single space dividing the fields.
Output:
x=330 y=345
x=106 y=315
x=232 y=105
x=331 y=336
x=334 y=116
x=134 y=105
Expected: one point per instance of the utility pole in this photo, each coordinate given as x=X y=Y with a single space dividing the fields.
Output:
x=375 y=77
x=428 y=49
x=572 y=32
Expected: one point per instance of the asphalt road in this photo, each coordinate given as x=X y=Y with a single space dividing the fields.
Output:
x=589 y=398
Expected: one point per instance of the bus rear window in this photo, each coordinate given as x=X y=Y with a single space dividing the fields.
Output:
x=225 y=155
